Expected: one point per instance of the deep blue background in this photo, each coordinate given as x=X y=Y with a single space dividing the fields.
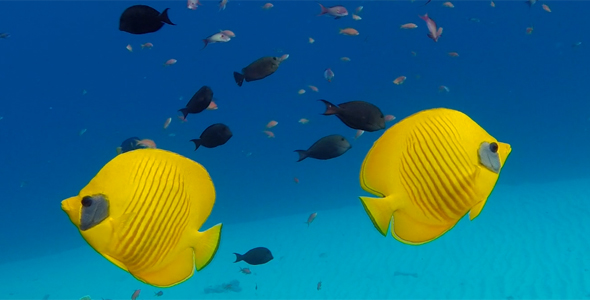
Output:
x=527 y=90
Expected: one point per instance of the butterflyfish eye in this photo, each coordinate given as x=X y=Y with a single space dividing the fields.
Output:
x=488 y=156
x=95 y=209
x=87 y=201
x=494 y=147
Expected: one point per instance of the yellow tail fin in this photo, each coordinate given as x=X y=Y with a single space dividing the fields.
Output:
x=206 y=246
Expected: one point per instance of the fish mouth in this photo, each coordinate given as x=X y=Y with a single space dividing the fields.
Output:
x=65 y=206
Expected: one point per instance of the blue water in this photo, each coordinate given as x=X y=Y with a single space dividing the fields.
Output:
x=527 y=90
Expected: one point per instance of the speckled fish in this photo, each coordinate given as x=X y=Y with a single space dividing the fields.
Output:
x=429 y=170
x=359 y=115
x=260 y=69
x=142 y=212
x=199 y=102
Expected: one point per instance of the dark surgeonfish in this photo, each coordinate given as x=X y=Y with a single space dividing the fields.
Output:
x=199 y=102
x=359 y=115
x=328 y=147
x=141 y=19
x=4 y=35
x=215 y=135
x=256 y=256
x=260 y=69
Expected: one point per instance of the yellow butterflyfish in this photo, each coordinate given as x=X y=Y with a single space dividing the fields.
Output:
x=430 y=169
x=142 y=211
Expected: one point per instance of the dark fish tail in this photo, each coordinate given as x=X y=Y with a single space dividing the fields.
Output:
x=331 y=109
x=164 y=17
x=184 y=112
x=197 y=143
x=302 y=154
x=206 y=43
x=239 y=257
x=239 y=78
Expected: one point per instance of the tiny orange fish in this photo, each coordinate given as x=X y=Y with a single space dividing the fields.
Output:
x=356 y=17
x=147 y=45
x=222 y=5
x=349 y=31
x=311 y=218
x=269 y=134
x=389 y=118
x=409 y=26
x=182 y=119
x=329 y=74
x=448 y=4
x=229 y=33
x=453 y=54
x=272 y=124
x=400 y=80
x=303 y=121
x=443 y=88
x=301 y=92
x=414 y=53
x=212 y=106
x=267 y=6
x=313 y=88
x=245 y=271
x=296 y=180
x=358 y=134
x=358 y=10
x=167 y=123
x=546 y=8
x=492 y=4
x=170 y=62
x=311 y=40
x=135 y=294
x=529 y=30
x=345 y=58
x=129 y=48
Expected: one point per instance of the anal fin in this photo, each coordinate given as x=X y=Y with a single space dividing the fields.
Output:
x=380 y=210
x=409 y=231
x=175 y=272
x=205 y=246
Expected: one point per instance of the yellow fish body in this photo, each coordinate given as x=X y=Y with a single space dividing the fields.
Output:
x=142 y=212
x=430 y=170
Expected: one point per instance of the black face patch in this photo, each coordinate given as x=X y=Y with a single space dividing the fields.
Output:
x=94 y=210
